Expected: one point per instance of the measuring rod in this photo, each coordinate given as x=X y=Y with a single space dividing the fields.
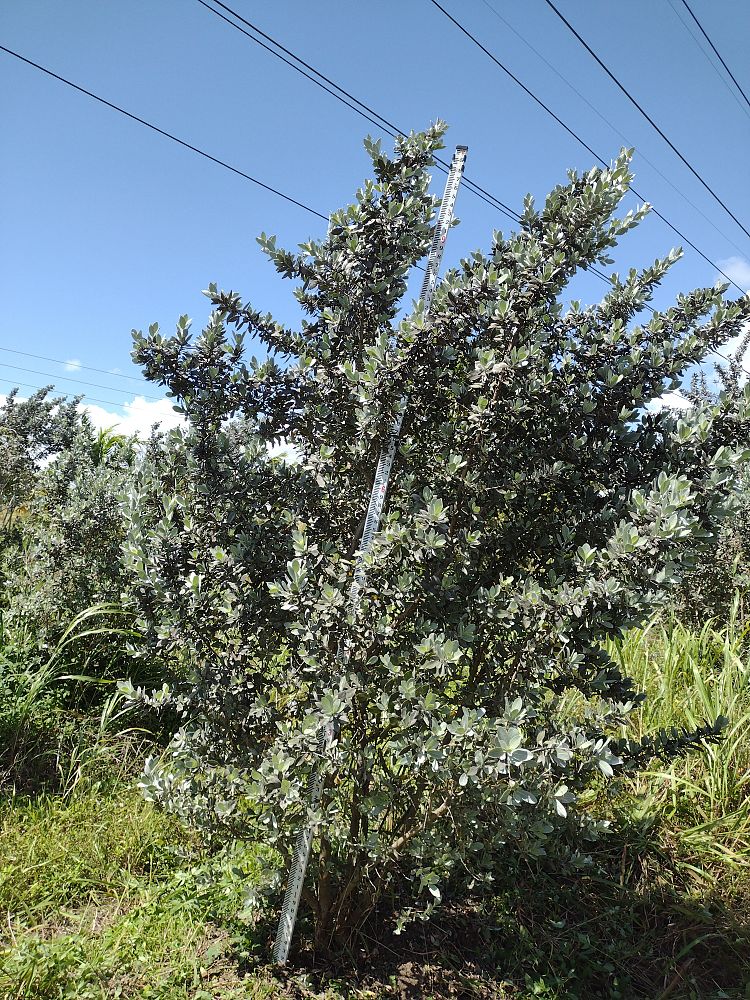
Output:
x=298 y=868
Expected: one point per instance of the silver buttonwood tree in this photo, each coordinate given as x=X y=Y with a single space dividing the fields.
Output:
x=536 y=508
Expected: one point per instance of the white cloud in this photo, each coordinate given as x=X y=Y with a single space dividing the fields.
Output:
x=73 y=365
x=736 y=268
x=139 y=417
x=668 y=401
x=282 y=449
x=141 y=414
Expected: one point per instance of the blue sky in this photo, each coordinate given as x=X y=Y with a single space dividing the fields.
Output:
x=108 y=226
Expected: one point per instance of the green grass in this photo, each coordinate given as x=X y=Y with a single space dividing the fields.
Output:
x=49 y=734
x=61 y=852
x=690 y=678
x=103 y=897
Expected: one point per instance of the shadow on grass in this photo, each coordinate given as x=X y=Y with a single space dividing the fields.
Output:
x=641 y=923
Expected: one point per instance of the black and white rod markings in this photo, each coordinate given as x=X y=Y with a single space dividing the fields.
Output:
x=301 y=856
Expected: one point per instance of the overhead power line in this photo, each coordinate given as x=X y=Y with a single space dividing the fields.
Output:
x=369 y=113
x=581 y=141
x=163 y=132
x=362 y=110
x=647 y=116
x=339 y=93
x=716 y=52
x=78 y=365
x=497 y=203
x=515 y=216
x=682 y=18
x=36 y=388
x=490 y=199
x=72 y=378
x=592 y=107
x=383 y=123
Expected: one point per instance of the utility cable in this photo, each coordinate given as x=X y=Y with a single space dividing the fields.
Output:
x=665 y=177
x=494 y=203
x=348 y=99
x=578 y=139
x=648 y=117
x=680 y=15
x=36 y=388
x=78 y=381
x=58 y=361
x=716 y=52
x=167 y=135
x=366 y=113
x=393 y=130
x=390 y=128
x=477 y=189
x=513 y=215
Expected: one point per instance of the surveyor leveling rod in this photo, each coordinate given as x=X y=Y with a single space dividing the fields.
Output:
x=298 y=868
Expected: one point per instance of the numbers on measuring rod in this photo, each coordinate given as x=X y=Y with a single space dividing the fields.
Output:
x=298 y=867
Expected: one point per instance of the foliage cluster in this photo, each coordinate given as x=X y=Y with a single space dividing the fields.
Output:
x=537 y=508
x=722 y=570
x=61 y=620
x=69 y=539
x=62 y=516
x=31 y=432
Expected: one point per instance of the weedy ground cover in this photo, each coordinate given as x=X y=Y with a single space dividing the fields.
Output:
x=55 y=716
x=691 y=675
x=103 y=896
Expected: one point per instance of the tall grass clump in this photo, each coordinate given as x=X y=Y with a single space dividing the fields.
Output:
x=691 y=675
x=58 y=706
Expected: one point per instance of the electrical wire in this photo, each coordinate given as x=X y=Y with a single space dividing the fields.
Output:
x=679 y=14
x=578 y=139
x=716 y=52
x=58 y=361
x=648 y=117
x=665 y=177
x=36 y=388
x=513 y=215
x=360 y=107
x=163 y=132
x=477 y=189
x=369 y=113
x=386 y=124
x=78 y=381
x=364 y=113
